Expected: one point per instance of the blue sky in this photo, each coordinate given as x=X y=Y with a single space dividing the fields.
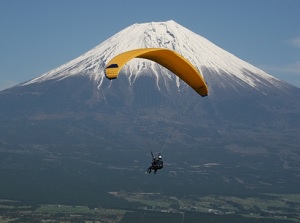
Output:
x=39 y=35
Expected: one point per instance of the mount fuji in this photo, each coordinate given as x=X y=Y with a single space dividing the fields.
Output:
x=239 y=93
x=73 y=112
x=198 y=50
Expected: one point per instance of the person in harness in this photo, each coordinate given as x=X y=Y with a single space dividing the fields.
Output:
x=156 y=164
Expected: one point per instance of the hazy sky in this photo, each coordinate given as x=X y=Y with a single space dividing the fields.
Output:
x=39 y=35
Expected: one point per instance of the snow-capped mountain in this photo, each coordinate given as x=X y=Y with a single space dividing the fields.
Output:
x=73 y=117
x=240 y=95
x=235 y=86
x=225 y=68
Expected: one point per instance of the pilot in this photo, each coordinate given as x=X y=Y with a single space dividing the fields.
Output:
x=156 y=164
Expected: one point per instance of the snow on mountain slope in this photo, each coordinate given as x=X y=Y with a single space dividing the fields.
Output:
x=198 y=50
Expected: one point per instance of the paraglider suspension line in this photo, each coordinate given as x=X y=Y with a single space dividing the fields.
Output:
x=163 y=148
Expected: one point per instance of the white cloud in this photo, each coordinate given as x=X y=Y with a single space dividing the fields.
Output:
x=289 y=72
x=7 y=84
x=295 y=42
x=293 y=68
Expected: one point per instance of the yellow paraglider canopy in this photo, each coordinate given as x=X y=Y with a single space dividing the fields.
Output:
x=165 y=57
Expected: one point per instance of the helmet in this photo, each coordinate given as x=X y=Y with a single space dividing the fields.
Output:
x=159 y=157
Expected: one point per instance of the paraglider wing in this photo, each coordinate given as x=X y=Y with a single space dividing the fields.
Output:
x=168 y=59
